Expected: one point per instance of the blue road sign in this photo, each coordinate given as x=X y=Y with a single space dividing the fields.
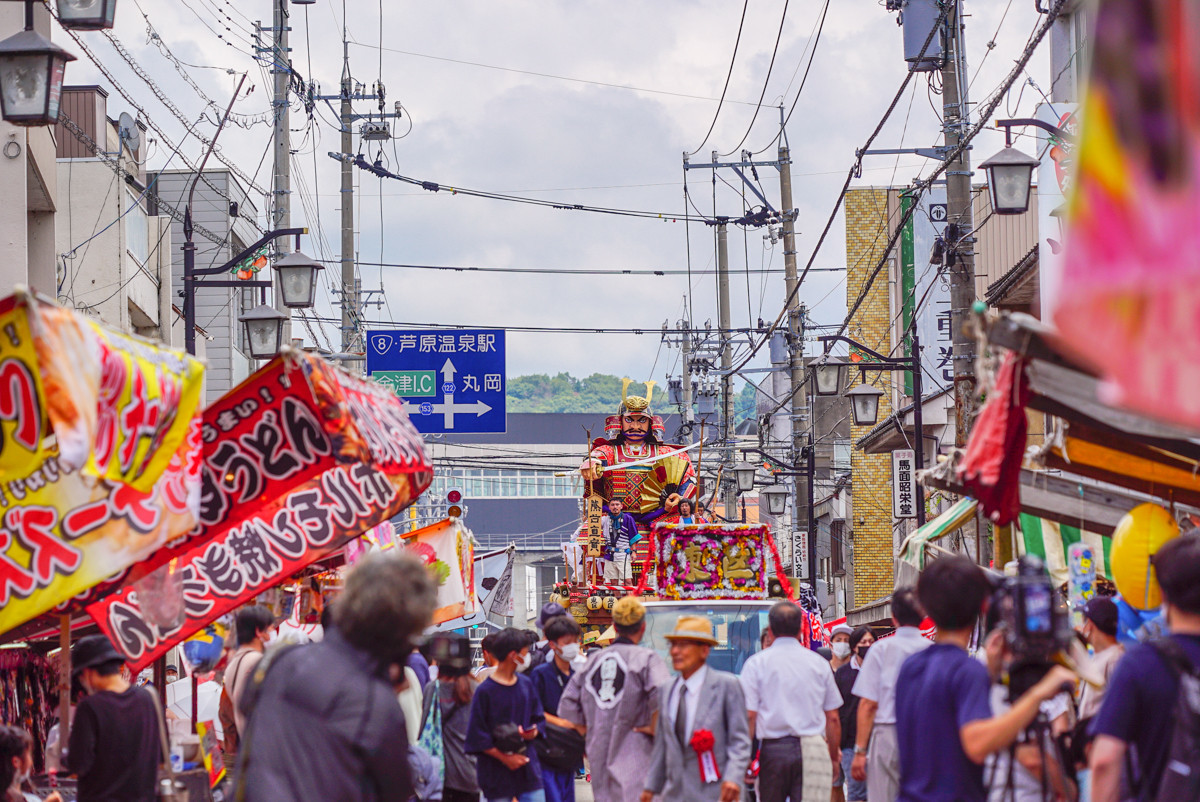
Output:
x=451 y=380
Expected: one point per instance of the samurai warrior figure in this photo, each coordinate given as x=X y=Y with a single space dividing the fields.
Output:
x=652 y=487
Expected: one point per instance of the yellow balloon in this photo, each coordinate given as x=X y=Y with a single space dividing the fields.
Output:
x=1140 y=534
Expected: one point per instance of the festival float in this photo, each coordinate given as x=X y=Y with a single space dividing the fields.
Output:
x=640 y=485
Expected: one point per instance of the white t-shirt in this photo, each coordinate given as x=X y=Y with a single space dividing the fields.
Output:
x=877 y=677
x=789 y=688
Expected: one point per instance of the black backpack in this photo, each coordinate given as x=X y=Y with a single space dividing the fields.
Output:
x=1181 y=776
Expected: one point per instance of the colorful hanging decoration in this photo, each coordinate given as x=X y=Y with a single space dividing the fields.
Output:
x=711 y=561
x=1131 y=281
x=250 y=267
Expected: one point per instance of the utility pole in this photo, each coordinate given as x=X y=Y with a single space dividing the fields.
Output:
x=350 y=307
x=685 y=392
x=795 y=327
x=960 y=215
x=280 y=68
x=725 y=324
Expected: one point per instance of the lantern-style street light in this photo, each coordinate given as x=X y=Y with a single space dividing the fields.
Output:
x=829 y=375
x=297 y=280
x=864 y=404
x=87 y=15
x=31 y=76
x=264 y=331
x=1010 y=180
x=744 y=473
x=776 y=496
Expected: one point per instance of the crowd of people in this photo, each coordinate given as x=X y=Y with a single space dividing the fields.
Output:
x=898 y=717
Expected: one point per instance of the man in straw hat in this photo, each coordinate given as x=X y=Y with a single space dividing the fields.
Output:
x=702 y=747
x=613 y=701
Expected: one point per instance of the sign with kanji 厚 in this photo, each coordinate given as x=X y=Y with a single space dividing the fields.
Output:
x=450 y=380
x=905 y=494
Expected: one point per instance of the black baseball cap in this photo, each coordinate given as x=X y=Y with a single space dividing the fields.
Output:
x=1102 y=612
x=92 y=651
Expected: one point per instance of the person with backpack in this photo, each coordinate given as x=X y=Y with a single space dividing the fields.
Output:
x=445 y=714
x=1146 y=725
x=322 y=722
x=561 y=750
x=540 y=652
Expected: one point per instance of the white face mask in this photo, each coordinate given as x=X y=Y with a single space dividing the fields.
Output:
x=570 y=651
x=525 y=662
x=841 y=650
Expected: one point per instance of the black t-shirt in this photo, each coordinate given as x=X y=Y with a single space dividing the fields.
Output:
x=844 y=677
x=114 y=746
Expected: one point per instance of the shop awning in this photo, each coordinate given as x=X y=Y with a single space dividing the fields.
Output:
x=912 y=550
x=1051 y=541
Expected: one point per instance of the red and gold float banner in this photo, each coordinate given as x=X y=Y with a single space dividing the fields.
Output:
x=711 y=561
x=298 y=459
x=99 y=453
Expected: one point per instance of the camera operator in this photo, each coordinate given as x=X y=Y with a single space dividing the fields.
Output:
x=1030 y=770
x=944 y=723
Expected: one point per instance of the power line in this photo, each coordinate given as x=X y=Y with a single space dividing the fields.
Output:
x=393 y=324
x=536 y=74
x=432 y=186
x=766 y=82
x=804 y=80
x=732 y=60
x=841 y=195
x=567 y=272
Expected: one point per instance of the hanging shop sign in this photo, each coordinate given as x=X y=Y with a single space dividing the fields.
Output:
x=118 y=478
x=298 y=460
x=904 y=487
x=711 y=561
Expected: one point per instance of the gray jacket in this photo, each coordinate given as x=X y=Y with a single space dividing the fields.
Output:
x=674 y=767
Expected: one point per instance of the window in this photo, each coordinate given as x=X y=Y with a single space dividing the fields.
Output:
x=532 y=596
x=837 y=546
x=137 y=230
x=503 y=483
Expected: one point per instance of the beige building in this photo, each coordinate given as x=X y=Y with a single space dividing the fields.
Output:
x=114 y=256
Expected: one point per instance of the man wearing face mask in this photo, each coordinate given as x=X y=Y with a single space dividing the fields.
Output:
x=854 y=650
x=550 y=679
x=875 y=688
x=839 y=640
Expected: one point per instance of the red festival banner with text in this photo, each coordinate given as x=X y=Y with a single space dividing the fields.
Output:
x=99 y=453
x=298 y=459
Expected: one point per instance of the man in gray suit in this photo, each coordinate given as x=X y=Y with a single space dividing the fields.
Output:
x=702 y=746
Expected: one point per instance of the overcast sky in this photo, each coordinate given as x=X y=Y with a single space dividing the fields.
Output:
x=502 y=128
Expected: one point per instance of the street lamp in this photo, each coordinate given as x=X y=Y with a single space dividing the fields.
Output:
x=297 y=280
x=31 y=76
x=864 y=404
x=87 y=15
x=264 y=331
x=744 y=473
x=830 y=375
x=776 y=496
x=1010 y=178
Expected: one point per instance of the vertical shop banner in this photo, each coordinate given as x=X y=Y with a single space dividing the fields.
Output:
x=298 y=460
x=492 y=581
x=1131 y=280
x=118 y=480
x=925 y=291
x=904 y=488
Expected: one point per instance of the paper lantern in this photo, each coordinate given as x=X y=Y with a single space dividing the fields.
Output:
x=1140 y=534
x=610 y=602
x=595 y=603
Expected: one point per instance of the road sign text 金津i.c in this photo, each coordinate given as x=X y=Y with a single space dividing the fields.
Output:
x=451 y=381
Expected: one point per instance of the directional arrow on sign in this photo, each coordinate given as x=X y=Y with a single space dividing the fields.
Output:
x=449 y=409
x=448 y=371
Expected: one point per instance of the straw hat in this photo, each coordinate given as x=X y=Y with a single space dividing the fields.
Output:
x=695 y=628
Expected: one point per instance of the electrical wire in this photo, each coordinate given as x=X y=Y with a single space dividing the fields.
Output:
x=766 y=82
x=804 y=80
x=732 y=60
x=576 y=272
x=377 y=169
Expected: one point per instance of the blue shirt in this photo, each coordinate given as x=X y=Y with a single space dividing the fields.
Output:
x=1142 y=683
x=495 y=704
x=550 y=683
x=939 y=691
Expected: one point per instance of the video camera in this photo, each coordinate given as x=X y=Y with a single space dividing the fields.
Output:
x=451 y=651
x=1036 y=625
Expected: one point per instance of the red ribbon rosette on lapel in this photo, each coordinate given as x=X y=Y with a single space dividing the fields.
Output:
x=703 y=742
